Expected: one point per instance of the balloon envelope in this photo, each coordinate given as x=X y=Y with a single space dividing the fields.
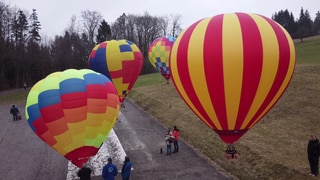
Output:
x=159 y=55
x=73 y=112
x=119 y=60
x=230 y=69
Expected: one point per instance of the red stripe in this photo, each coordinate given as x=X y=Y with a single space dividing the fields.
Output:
x=213 y=68
x=252 y=65
x=182 y=66
x=284 y=61
x=52 y=112
x=73 y=100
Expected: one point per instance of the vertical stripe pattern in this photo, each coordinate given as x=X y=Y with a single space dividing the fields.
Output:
x=231 y=69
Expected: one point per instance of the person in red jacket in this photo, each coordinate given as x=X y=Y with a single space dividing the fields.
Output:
x=176 y=134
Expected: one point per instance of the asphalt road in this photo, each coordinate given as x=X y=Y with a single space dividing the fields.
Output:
x=142 y=137
x=23 y=156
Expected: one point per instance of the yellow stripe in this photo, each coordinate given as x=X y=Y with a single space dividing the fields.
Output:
x=33 y=97
x=232 y=66
x=196 y=71
x=113 y=56
x=269 y=66
x=288 y=75
x=120 y=85
x=175 y=75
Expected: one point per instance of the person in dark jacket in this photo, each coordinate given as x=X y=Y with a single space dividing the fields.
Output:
x=126 y=169
x=84 y=173
x=313 y=155
x=109 y=171
x=14 y=111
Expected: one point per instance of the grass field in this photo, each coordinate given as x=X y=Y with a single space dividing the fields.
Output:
x=275 y=148
x=308 y=51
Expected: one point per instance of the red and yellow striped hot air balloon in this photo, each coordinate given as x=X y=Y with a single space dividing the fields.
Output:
x=231 y=69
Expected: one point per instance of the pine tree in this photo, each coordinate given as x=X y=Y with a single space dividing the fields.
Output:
x=304 y=24
x=35 y=27
x=104 y=32
x=316 y=23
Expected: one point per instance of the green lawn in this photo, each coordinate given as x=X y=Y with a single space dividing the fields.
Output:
x=308 y=51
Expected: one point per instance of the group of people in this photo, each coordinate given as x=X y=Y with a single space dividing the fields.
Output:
x=172 y=138
x=109 y=171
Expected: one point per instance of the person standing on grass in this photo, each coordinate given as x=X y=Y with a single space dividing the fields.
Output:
x=14 y=111
x=313 y=155
x=109 y=171
x=176 y=134
x=126 y=169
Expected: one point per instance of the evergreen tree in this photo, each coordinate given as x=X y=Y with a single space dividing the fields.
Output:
x=19 y=38
x=35 y=27
x=104 y=32
x=19 y=29
x=304 y=24
x=286 y=19
x=316 y=23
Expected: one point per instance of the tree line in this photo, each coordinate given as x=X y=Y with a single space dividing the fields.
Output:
x=301 y=27
x=27 y=57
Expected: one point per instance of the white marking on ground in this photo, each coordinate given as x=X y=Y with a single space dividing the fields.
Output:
x=110 y=148
x=136 y=143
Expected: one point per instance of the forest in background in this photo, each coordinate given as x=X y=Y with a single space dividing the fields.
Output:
x=26 y=57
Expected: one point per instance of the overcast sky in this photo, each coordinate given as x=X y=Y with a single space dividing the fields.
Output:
x=55 y=15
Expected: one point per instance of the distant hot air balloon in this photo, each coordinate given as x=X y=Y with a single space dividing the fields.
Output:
x=159 y=55
x=231 y=69
x=119 y=60
x=73 y=112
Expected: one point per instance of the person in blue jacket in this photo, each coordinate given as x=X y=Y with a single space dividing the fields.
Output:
x=109 y=171
x=126 y=169
x=14 y=111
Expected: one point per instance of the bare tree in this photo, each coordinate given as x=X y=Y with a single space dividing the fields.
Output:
x=91 y=21
x=118 y=29
x=164 y=23
x=73 y=26
x=176 y=25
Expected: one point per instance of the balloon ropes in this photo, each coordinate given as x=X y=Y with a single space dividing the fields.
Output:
x=73 y=112
x=231 y=69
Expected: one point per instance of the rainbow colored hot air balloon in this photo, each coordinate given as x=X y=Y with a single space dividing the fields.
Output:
x=119 y=60
x=73 y=112
x=231 y=69
x=159 y=55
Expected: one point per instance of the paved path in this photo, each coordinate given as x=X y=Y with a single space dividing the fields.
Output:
x=142 y=137
x=23 y=156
